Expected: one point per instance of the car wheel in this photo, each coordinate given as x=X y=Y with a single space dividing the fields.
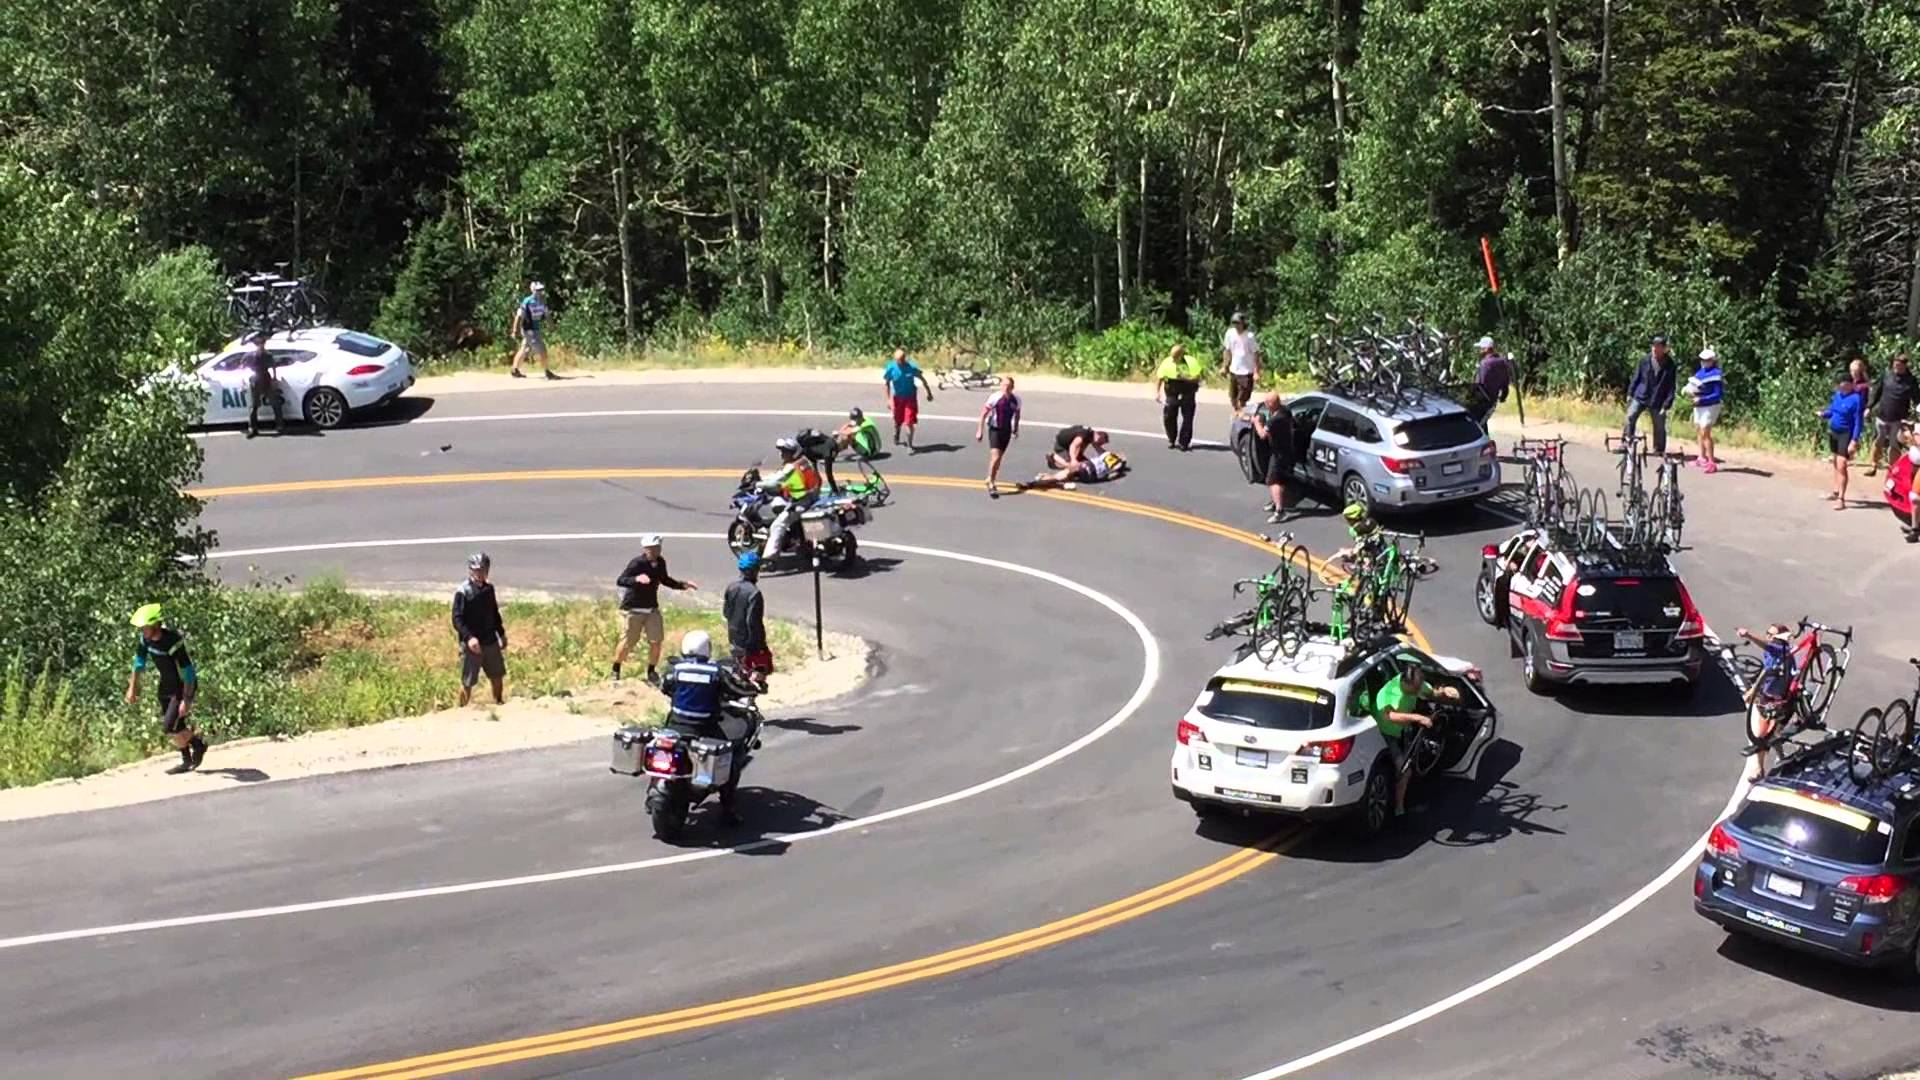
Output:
x=1530 y=667
x=1483 y=599
x=1354 y=490
x=325 y=408
x=1375 y=811
x=1243 y=449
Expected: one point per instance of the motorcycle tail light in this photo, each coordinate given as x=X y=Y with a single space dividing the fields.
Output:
x=660 y=761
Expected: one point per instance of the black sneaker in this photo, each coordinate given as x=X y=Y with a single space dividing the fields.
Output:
x=551 y=377
x=518 y=374
x=251 y=433
x=653 y=677
x=183 y=767
x=616 y=673
x=198 y=749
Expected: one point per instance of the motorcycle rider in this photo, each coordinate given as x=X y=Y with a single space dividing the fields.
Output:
x=797 y=485
x=699 y=691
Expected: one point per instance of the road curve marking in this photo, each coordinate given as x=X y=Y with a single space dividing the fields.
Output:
x=994 y=950
x=1149 y=678
x=1173 y=517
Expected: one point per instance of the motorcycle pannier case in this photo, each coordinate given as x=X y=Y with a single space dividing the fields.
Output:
x=629 y=751
x=712 y=763
x=820 y=525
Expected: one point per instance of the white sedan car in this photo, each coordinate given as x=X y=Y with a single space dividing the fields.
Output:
x=325 y=374
x=1295 y=736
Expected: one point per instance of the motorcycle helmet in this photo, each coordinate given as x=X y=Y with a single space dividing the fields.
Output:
x=749 y=561
x=788 y=447
x=696 y=643
x=855 y=414
x=479 y=561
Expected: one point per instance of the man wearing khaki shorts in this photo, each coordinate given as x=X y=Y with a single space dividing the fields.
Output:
x=640 y=604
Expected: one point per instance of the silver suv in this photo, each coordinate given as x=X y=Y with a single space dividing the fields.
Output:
x=1408 y=457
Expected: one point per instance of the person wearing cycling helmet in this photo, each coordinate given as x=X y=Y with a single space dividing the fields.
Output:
x=746 y=614
x=483 y=637
x=1362 y=531
x=162 y=650
x=698 y=692
x=796 y=486
x=640 y=604
x=858 y=434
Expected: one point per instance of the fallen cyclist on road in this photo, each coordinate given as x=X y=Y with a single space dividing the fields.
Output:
x=1103 y=465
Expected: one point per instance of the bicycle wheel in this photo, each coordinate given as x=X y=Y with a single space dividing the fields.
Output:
x=1596 y=524
x=1900 y=726
x=1817 y=688
x=1538 y=495
x=1676 y=519
x=1873 y=743
x=1298 y=565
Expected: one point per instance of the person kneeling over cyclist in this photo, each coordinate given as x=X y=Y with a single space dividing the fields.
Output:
x=1395 y=706
x=1103 y=464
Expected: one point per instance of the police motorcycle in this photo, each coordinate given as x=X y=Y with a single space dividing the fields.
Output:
x=825 y=528
x=690 y=757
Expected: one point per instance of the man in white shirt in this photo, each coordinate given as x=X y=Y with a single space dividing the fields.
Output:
x=1240 y=353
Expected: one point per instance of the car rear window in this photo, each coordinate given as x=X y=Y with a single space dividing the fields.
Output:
x=1266 y=705
x=360 y=344
x=1835 y=833
x=1642 y=601
x=1438 y=432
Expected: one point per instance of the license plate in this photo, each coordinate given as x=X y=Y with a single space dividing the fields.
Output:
x=1236 y=793
x=1252 y=759
x=1299 y=774
x=1629 y=641
x=1453 y=468
x=1786 y=886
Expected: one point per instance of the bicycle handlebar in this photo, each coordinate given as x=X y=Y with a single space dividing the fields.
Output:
x=1845 y=634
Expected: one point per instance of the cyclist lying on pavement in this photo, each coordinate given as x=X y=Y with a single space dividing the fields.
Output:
x=1104 y=465
x=1394 y=707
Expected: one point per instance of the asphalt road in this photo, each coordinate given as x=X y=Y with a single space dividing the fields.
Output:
x=980 y=671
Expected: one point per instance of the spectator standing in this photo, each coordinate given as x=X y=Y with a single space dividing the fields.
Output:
x=528 y=318
x=640 y=604
x=265 y=391
x=1844 y=416
x=1493 y=379
x=1240 y=357
x=1176 y=382
x=1273 y=424
x=999 y=425
x=900 y=375
x=746 y=614
x=162 y=651
x=1651 y=391
x=483 y=636
x=1706 y=387
x=1891 y=403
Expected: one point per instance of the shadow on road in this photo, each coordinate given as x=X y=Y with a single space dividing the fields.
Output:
x=768 y=813
x=1873 y=989
x=403 y=410
x=935 y=448
x=806 y=725
x=244 y=776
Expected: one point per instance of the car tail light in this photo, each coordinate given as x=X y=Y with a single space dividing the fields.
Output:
x=1402 y=466
x=1691 y=624
x=1491 y=450
x=1874 y=888
x=365 y=369
x=1489 y=551
x=1329 y=753
x=1721 y=843
x=1866 y=943
x=1560 y=623
x=1189 y=732
x=1699 y=886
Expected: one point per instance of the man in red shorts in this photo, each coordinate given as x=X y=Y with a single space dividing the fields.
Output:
x=900 y=377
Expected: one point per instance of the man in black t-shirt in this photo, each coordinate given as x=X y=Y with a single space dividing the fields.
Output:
x=163 y=651
x=640 y=604
x=1273 y=425
x=1073 y=444
x=264 y=390
x=483 y=636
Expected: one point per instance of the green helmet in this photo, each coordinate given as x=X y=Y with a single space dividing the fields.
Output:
x=146 y=615
x=1354 y=512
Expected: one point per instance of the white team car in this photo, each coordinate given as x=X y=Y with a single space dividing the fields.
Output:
x=1294 y=736
x=325 y=374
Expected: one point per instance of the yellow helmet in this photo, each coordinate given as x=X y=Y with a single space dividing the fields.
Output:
x=146 y=615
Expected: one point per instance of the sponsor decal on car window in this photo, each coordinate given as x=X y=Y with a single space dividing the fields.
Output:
x=1296 y=693
x=1795 y=801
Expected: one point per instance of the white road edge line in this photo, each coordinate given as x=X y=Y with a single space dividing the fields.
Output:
x=1614 y=914
x=602 y=414
x=1149 y=677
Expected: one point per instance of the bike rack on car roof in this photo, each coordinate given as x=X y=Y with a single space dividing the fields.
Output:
x=1828 y=764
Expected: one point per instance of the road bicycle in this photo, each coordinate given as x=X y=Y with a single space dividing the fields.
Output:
x=1665 y=512
x=1817 y=670
x=1378 y=591
x=967 y=370
x=1633 y=454
x=1884 y=736
x=872 y=488
x=1278 y=622
x=1549 y=485
x=270 y=302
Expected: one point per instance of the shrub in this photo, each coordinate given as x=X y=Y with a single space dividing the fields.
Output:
x=1123 y=350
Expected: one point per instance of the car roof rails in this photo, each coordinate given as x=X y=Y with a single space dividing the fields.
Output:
x=1828 y=767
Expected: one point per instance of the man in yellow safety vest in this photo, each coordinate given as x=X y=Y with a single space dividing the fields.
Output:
x=798 y=484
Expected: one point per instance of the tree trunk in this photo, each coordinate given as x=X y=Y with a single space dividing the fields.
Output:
x=622 y=224
x=1606 y=64
x=1121 y=275
x=1913 y=282
x=1140 y=234
x=1186 y=214
x=1562 y=195
x=1099 y=302
x=826 y=238
x=760 y=245
x=733 y=227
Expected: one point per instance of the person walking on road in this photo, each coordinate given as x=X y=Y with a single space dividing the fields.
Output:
x=1177 y=380
x=901 y=375
x=483 y=636
x=264 y=390
x=642 y=579
x=1891 y=403
x=162 y=650
x=1651 y=391
x=1845 y=416
x=999 y=425
x=1492 y=380
x=1273 y=424
x=1707 y=387
x=746 y=614
x=528 y=317
x=1240 y=361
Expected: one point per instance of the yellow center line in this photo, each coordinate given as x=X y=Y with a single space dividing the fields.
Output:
x=1189 y=885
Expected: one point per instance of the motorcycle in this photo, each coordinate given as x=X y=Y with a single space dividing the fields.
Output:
x=681 y=768
x=825 y=527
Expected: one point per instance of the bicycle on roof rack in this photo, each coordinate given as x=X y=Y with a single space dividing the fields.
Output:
x=1781 y=705
x=1549 y=486
x=1884 y=736
x=1377 y=594
x=1278 y=623
x=1387 y=369
x=270 y=302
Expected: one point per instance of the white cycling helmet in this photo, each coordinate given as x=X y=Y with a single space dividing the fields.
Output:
x=697 y=643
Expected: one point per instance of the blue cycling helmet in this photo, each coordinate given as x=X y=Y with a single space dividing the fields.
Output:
x=749 y=560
